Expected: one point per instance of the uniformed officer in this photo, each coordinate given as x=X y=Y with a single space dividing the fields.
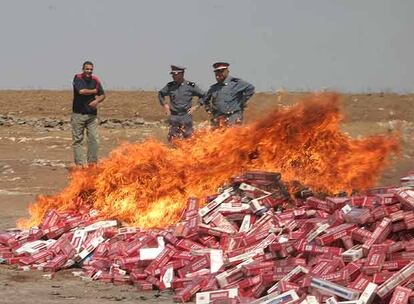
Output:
x=228 y=97
x=180 y=107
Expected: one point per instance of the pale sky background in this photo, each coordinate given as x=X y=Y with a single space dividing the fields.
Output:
x=345 y=45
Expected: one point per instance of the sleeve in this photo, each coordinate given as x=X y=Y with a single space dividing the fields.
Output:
x=199 y=93
x=205 y=100
x=247 y=91
x=78 y=84
x=100 y=89
x=161 y=95
x=99 y=86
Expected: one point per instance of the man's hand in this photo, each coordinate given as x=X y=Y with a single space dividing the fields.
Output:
x=192 y=109
x=94 y=104
x=167 y=110
x=243 y=105
x=208 y=109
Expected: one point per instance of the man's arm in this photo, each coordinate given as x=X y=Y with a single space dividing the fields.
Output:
x=99 y=97
x=88 y=91
x=161 y=95
x=205 y=101
x=79 y=86
x=247 y=91
x=198 y=93
x=161 y=98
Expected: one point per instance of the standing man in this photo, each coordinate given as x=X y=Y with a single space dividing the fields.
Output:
x=228 y=97
x=180 y=107
x=88 y=93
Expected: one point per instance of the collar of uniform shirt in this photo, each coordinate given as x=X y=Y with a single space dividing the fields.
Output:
x=227 y=80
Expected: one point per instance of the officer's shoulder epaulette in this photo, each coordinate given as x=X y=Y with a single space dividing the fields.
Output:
x=171 y=83
x=191 y=83
x=235 y=79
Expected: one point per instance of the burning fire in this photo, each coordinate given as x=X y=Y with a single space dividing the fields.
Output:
x=147 y=184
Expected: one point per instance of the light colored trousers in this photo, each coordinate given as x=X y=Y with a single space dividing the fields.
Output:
x=80 y=122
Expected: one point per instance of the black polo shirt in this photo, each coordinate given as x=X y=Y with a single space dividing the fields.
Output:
x=81 y=102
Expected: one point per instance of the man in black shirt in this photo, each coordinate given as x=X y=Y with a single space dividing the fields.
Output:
x=87 y=94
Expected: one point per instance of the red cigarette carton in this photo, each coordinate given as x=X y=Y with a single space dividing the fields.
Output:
x=400 y=295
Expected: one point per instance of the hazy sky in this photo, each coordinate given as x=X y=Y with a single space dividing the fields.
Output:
x=347 y=45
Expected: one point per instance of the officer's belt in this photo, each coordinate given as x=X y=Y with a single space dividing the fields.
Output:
x=178 y=113
x=227 y=113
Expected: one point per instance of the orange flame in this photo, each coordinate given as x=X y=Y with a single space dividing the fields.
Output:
x=147 y=184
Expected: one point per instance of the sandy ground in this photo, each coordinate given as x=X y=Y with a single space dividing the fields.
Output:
x=33 y=161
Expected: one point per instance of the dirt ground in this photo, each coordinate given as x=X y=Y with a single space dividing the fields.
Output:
x=34 y=160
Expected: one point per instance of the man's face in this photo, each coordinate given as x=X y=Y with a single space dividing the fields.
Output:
x=87 y=70
x=178 y=77
x=221 y=75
